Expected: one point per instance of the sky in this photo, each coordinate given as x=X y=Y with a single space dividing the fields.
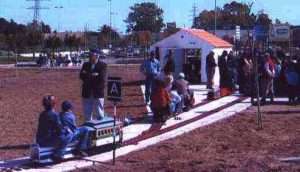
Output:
x=76 y=14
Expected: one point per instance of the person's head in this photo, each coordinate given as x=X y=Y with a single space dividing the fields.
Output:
x=225 y=53
x=48 y=102
x=267 y=55
x=66 y=106
x=168 y=80
x=181 y=75
x=93 y=57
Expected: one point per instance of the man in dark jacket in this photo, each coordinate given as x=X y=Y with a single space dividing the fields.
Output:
x=210 y=69
x=93 y=76
x=169 y=67
x=226 y=82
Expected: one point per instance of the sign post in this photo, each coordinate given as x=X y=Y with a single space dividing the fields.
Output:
x=114 y=94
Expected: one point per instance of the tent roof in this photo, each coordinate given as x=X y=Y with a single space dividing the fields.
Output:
x=208 y=37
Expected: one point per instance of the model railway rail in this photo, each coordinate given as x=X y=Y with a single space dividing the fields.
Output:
x=98 y=132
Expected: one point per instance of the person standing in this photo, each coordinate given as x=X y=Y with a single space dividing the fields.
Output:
x=292 y=78
x=93 y=76
x=151 y=69
x=210 y=69
x=226 y=81
x=247 y=72
x=169 y=67
x=267 y=78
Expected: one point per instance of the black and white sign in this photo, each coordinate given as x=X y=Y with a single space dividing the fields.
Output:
x=114 y=89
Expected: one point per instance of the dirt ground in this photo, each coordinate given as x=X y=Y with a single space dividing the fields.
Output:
x=20 y=101
x=231 y=145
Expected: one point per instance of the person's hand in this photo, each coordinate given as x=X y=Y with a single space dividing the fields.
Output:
x=84 y=72
x=95 y=74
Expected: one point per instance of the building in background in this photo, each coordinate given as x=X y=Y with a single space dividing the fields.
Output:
x=190 y=48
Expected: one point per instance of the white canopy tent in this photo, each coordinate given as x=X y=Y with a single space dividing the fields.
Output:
x=192 y=39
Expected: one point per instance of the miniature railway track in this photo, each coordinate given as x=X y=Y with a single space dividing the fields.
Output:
x=155 y=129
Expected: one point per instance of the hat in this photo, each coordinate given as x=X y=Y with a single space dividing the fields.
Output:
x=93 y=52
x=66 y=105
x=181 y=75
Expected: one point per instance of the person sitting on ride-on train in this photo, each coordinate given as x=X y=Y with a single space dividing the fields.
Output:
x=71 y=133
x=48 y=132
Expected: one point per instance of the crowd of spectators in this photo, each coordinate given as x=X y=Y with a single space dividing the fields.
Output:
x=59 y=60
x=273 y=74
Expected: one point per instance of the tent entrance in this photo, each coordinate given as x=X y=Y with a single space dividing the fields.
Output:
x=192 y=65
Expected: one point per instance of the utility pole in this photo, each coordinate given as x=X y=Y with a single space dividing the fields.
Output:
x=36 y=12
x=194 y=15
x=215 y=31
x=37 y=28
x=110 y=25
x=59 y=21
x=86 y=29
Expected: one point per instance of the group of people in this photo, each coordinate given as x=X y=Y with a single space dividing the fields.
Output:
x=59 y=60
x=276 y=76
x=59 y=129
x=165 y=95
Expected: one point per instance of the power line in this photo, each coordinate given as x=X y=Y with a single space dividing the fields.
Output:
x=194 y=14
x=36 y=10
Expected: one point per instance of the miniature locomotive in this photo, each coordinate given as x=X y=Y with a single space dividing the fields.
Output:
x=100 y=134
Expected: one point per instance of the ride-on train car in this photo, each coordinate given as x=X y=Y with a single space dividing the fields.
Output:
x=100 y=134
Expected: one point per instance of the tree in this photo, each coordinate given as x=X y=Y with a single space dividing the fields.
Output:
x=228 y=17
x=53 y=43
x=107 y=35
x=145 y=16
x=34 y=40
x=263 y=20
x=72 y=42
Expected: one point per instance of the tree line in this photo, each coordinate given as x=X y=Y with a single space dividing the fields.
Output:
x=144 y=19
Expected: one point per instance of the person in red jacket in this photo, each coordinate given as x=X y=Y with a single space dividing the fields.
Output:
x=160 y=100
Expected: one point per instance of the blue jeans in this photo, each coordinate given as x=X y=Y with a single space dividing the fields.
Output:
x=80 y=135
x=176 y=104
x=93 y=106
x=148 y=87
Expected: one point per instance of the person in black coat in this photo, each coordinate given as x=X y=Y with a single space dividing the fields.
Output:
x=226 y=81
x=210 y=69
x=169 y=67
x=93 y=76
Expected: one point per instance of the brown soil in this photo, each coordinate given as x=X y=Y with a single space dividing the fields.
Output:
x=20 y=101
x=231 y=145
